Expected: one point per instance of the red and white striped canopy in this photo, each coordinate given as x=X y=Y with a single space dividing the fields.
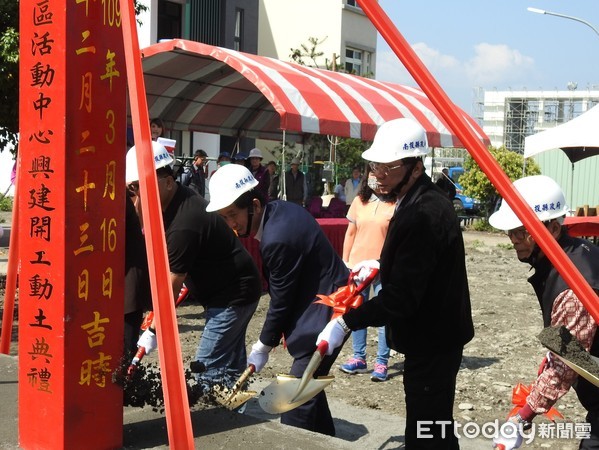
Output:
x=198 y=87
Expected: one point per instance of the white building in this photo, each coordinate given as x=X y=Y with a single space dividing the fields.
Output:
x=344 y=33
x=509 y=116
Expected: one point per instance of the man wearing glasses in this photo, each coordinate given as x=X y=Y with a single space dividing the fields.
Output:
x=424 y=301
x=559 y=305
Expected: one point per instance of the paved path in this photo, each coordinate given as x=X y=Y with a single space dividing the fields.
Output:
x=219 y=428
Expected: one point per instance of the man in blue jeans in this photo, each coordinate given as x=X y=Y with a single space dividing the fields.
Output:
x=204 y=253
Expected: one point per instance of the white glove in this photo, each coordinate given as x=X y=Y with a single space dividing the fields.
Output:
x=259 y=355
x=148 y=341
x=363 y=269
x=509 y=437
x=334 y=334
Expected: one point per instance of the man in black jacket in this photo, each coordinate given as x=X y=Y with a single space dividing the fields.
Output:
x=195 y=176
x=446 y=183
x=424 y=301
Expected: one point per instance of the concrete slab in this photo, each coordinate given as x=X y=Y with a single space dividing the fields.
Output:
x=218 y=428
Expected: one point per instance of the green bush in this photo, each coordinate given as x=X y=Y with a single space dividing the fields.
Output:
x=477 y=184
x=482 y=224
x=6 y=204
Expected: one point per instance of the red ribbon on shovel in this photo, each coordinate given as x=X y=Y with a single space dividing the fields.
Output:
x=347 y=297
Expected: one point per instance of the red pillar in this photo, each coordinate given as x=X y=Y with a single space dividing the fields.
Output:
x=71 y=227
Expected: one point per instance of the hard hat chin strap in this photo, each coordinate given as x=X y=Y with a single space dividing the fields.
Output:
x=406 y=178
x=248 y=227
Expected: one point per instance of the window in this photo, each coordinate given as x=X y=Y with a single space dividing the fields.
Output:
x=238 y=38
x=169 y=20
x=357 y=61
x=353 y=3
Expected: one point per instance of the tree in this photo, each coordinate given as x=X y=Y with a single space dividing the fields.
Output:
x=476 y=183
x=310 y=51
x=9 y=71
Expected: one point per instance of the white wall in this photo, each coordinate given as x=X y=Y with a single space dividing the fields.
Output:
x=6 y=164
x=293 y=22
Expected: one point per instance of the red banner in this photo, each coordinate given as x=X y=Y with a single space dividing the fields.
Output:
x=71 y=225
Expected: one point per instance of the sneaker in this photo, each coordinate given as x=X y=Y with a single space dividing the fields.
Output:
x=354 y=365
x=379 y=373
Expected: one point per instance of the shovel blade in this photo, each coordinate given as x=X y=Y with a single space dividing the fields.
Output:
x=231 y=399
x=580 y=371
x=276 y=397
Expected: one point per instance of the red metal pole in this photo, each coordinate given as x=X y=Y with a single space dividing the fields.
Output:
x=482 y=156
x=176 y=404
x=11 y=275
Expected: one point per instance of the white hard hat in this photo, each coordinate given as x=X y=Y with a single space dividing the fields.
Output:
x=255 y=153
x=227 y=184
x=397 y=139
x=162 y=158
x=541 y=193
x=295 y=161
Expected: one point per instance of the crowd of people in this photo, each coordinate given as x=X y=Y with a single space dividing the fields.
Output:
x=401 y=225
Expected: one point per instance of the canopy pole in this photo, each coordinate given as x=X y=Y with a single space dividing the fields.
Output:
x=572 y=189
x=282 y=183
x=482 y=156
x=10 y=287
x=176 y=403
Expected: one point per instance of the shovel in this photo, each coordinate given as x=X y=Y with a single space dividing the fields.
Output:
x=289 y=392
x=565 y=346
x=235 y=397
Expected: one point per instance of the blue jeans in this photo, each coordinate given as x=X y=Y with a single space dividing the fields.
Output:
x=222 y=345
x=359 y=336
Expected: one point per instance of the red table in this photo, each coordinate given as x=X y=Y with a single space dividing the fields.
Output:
x=582 y=225
x=334 y=230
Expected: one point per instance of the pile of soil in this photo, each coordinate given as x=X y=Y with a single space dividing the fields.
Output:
x=561 y=342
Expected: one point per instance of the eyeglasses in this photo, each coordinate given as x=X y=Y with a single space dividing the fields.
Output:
x=383 y=169
x=519 y=234
x=134 y=185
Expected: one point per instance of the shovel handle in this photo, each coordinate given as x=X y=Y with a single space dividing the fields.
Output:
x=364 y=284
x=322 y=348
x=239 y=383
x=243 y=378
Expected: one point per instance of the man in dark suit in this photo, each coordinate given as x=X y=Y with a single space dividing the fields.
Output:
x=195 y=176
x=299 y=262
x=446 y=184
x=424 y=301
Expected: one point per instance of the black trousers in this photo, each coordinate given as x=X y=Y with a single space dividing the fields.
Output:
x=314 y=415
x=591 y=443
x=429 y=385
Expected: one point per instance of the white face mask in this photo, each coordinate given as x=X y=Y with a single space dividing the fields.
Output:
x=373 y=183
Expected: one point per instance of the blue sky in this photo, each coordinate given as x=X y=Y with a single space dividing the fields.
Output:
x=496 y=44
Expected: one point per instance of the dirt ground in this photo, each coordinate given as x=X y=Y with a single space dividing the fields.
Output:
x=505 y=350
